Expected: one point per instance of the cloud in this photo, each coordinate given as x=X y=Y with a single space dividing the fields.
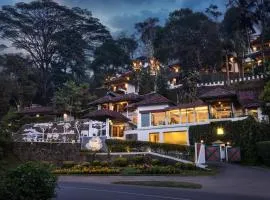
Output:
x=121 y=15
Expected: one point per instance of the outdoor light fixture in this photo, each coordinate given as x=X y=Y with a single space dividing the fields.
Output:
x=220 y=131
x=202 y=141
x=228 y=143
x=137 y=65
x=65 y=116
x=254 y=48
x=37 y=115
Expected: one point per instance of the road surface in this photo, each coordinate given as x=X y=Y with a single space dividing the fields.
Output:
x=95 y=191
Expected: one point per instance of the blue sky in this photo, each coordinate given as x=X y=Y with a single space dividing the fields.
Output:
x=121 y=15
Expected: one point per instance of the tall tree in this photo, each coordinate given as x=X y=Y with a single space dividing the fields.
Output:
x=148 y=30
x=73 y=98
x=127 y=44
x=38 y=28
x=109 y=59
x=22 y=78
x=190 y=38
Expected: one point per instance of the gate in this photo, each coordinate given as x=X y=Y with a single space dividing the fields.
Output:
x=212 y=153
x=233 y=154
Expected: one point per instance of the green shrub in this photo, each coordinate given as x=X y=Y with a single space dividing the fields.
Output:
x=1 y=153
x=120 y=162
x=130 y=171
x=263 y=149
x=27 y=182
x=104 y=163
x=96 y=163
x=68 y=164
x=138 y=160
x=85 y=164
x=122 y=146
x=155 y=162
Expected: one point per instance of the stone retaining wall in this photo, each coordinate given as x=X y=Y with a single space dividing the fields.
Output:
x=56 y=152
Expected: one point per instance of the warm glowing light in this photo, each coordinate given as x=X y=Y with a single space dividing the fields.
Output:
x=114 y=88
x=202 y=141
x=65 y=116
x=219 y=102
x=259 y=61
x=126 y=85
x=220 y=131
x=231 y=59
x=176 y=70
x=254 y=48
x=128 y=78
x=137 y=65
x=37 y=115
x=228 y=143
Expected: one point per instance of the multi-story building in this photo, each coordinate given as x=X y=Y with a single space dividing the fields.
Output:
x=153 y=117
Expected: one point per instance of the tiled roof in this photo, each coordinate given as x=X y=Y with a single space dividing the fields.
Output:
x=107 y=98
x=153 y=99
x=193 y=104
x=122 y=77
x=103 y=114
x=36 y=110
x=131 y=97
x=218 y=93
x=249 y=99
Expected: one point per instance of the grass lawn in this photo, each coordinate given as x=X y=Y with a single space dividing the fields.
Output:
x=161 y=184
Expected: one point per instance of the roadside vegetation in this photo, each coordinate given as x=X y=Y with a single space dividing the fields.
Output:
x=162 y=184
x=139 y=165
x=27 y=182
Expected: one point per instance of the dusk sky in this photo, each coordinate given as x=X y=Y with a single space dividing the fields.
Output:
x=121 y=15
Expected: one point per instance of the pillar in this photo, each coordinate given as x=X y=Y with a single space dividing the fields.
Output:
x=107 y=128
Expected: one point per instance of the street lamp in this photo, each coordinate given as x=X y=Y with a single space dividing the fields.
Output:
x=137 y=66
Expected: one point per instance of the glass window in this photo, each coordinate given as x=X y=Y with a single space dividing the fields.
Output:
x=187 y=116
x=183 y=116
x=145 y=119
x=158 y=118
x=154 y=137
x=201 y=114
x=118 y=131
x=179 y=137
x=221 y=110
x=174 y=117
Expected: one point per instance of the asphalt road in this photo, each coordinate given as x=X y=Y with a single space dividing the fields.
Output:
x=96 y=191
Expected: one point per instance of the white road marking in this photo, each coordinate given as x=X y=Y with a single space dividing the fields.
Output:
x=129 y=193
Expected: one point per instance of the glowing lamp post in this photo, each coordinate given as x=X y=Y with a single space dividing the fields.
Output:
x=137 y=66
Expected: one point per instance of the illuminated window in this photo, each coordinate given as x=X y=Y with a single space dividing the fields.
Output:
x=174 y=117
x=179 y=137
x=187 y=116
x=220 y=110
x=158 y=118
x=154 y=137
x=201 y=114
x=118 y=131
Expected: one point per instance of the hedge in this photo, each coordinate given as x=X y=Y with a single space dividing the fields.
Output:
x=263 y=149
x=141 y=146
x=245 y=134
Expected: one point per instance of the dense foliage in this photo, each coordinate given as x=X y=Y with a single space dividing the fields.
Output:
x=243 y=133
x=263 y=149
x=27 y=182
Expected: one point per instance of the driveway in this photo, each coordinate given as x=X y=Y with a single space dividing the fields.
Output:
x=233 y=180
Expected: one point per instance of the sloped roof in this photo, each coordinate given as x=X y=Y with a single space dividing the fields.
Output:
x=104 y=114
x=193 y=104
x=36 y=110
x=153 y=99
x=249 y=99
x=107 y=98
x=131 y=97
x=218 y=93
